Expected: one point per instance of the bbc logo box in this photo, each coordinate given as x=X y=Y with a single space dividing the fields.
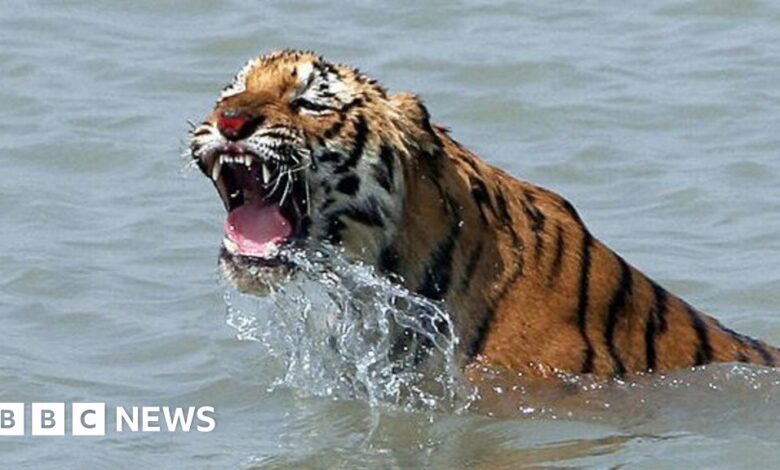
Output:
x=48 y=419
x=11 y=419
x=88 y=419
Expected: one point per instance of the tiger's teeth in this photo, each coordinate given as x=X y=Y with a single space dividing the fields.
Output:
x=248 y=161
x=266 y=174
x=216 y=169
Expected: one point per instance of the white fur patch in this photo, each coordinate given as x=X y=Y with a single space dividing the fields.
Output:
x=304 y=72
x=238 y=85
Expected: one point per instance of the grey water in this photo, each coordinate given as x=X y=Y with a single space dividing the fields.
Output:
x=658 y=121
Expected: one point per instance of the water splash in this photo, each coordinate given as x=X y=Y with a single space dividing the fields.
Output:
x=340 y=329
x=333 y=331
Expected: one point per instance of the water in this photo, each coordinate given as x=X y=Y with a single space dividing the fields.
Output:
x=334 y=328
x=658 y=121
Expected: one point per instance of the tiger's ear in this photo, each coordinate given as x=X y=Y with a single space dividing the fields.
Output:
x=417 y=121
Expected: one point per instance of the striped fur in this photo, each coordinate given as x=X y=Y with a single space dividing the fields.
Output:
x=529 y=287
x=544 y=295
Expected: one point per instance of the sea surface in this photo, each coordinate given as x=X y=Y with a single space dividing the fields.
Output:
x=659 y=120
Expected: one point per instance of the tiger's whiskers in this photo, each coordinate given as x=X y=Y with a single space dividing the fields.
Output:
x=276 y=182
x=287 y=186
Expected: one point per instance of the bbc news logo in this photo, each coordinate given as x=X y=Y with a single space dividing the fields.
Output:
x=89 y=419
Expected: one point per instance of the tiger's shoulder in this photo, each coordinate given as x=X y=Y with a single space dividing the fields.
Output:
x=536 y=291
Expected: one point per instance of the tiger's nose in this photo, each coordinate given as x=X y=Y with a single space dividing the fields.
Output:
x=235 y=125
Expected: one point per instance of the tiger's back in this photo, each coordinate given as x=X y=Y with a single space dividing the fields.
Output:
x=542 y=294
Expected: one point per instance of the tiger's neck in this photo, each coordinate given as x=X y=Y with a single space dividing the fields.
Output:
x=451 y=246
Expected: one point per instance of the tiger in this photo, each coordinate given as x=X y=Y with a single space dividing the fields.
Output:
x=304 y=152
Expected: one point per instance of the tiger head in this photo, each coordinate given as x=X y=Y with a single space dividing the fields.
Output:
x=305 y=152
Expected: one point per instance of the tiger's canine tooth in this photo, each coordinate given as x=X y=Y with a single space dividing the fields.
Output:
x=216 y=169
x=266 y=174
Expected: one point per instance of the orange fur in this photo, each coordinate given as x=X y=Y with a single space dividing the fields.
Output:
x=528 y=286
x=531 y=304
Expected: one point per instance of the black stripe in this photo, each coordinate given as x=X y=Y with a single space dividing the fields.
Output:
x=703 y=354
x=471 y=265
x=368 y=213
x=557 y=262
x=383 y=171
x=338 y=125
x=349 y=185
x=482 y=331
x=358 y=146
x=656 y=324
x=437 y=274
x=742 y=358
x=355 y=102
x=754 y=344
x=762 y=351
x=503 y=211
x=465 y=158
x=617 y=306
x=476 y=345
x=506 y=217
x=570 y=210
x=329 y=157
x=334 y=129
x=537 y=224
x=651 y=327
x=425 y=123
x=662 y=306
x=582 y=303
x=480 y=194
x=431 y=163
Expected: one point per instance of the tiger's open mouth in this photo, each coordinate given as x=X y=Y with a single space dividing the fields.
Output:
x=266 y=199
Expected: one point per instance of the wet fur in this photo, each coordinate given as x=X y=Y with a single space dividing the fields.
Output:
x=529 y=287
x=533 y=291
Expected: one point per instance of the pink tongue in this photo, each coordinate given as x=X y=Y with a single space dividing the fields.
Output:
x=255 y=227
